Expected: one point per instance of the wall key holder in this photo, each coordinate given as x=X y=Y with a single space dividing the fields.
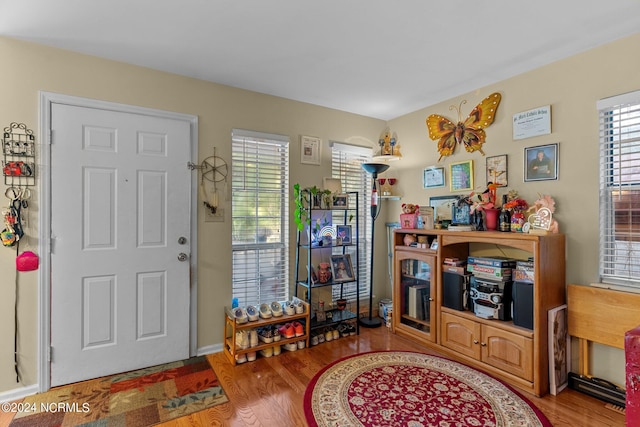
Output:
x=19 y=154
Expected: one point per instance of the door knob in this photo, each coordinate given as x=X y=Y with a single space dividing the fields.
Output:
x=182 y=240
x=182 y=256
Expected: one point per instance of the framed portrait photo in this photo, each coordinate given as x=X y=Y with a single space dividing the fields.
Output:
x=340 y=201
x=497 y=170
x=433 y=177
x=342 y=268
x=461 y=176
x=310 y=150
x=343 y=232
x=541 y=163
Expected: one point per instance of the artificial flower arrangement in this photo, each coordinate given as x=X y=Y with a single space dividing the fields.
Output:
x=515 y=203
x=483 y=201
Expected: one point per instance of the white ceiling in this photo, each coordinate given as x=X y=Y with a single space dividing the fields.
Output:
x=378 y=58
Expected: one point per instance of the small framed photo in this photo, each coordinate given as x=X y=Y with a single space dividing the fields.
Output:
x=342 y=268
x=461 y=176
x=343 y=233
x=340 y=201
x=433 y=177
x=541 y=163
x=461 y=214
x=309 y=150
x=497 y=170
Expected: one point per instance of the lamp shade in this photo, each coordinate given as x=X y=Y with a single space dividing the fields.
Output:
x=375 y=168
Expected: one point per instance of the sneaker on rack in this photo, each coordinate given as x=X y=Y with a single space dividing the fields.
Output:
x=276 y=350
x=287 y=331
x=299 y=307
x=328 y=335
x=298 y=328
x=267 y=352
x=252 y=313
x=352 y=329
x=314 y=339
x=343 y=329
x=241 y=358
x=275 y=332
x=291 y=346
x=253 y=338
x=265 y=311
x=266 y=335
x=289 y=309
x=242 y=340
x=320 y=337
x=276 y=309
x=240 y=315
x=301 y=344
x=251 y=356
x=336 y=334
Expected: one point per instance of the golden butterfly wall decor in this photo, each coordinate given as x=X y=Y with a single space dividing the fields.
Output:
x=469 y=133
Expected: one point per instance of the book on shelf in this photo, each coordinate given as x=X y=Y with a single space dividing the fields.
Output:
x=415 y=301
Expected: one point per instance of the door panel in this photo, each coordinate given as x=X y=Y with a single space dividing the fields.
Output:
x=120 y=192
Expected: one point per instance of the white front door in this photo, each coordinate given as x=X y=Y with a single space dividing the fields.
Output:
x=120 y=218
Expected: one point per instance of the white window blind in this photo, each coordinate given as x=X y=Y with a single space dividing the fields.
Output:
x=260 y=206
x=346 y=165
x=620 y=189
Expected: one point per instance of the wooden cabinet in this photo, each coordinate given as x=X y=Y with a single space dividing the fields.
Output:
x=512 y=353
x=231 y=350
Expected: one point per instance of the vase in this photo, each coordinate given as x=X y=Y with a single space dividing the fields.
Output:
x=491 y=218
x=517 y=220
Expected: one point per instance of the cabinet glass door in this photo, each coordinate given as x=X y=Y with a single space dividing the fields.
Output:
x=416 y=291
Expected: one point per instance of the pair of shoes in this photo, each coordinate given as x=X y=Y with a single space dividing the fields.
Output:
x=289 y=308
x=267 y=352
x=252 y=313
x=266 y=335
x=265 y=311
x=298 y=328
x=276 y=309
x=240 y=315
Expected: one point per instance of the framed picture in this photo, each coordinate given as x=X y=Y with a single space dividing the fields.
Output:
x=343 y=232
x=340 y=201
x=541 y=163
x=497 y=170
x=461 y=214
x=461 y=176
x=559 y=349
x=433 y=177
x=342 y=268
x=309 y=150
x=442 y=207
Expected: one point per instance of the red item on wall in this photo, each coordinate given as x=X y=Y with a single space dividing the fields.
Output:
x=27 y=261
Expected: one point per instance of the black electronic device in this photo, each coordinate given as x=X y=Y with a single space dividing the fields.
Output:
x=522 y=296
x=455 y=291
x=491 y=299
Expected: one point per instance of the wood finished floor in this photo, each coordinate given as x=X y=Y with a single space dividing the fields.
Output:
x=269 y=391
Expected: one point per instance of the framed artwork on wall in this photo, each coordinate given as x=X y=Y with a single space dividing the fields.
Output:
x=461 y=176
x=541 y=163
x=497 y=170
x=309 y=150
x=433 y=177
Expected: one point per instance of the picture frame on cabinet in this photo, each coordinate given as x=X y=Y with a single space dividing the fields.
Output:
x=433 y=177
x=559 y=349
x=341 y=268
x=541 y=163
x=340 y=201
x=310 y=150
x=497 y=170
x=442 y=207
x=461 y=176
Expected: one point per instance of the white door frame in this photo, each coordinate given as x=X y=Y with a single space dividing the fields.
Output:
x=44 y=224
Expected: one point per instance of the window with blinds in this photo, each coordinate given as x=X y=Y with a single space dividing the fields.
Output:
x=346 y=165
x=620 y=190
x=259 y=216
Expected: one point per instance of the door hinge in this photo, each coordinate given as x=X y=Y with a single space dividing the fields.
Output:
x=50 y=354
x=50 y=136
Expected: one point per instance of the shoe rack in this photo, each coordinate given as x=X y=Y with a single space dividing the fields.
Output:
x=232 y=326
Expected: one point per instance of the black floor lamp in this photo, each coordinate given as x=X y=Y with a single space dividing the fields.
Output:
x=374 y=169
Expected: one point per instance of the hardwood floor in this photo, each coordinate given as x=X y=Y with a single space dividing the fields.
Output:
x=269 y=391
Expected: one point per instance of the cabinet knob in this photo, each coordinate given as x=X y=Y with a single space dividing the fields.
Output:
x=475 y=341
x=484 y=344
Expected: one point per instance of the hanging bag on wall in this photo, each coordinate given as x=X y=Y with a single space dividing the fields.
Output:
x=27 y=261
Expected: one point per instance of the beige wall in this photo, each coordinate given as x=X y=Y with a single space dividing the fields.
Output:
x=30 y=68
x=571 y=87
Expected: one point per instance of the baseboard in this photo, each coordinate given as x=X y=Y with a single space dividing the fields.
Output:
x=210 y=349
x=19 y=393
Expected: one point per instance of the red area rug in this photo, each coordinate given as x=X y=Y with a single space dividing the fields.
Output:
x=413 y=389
x=139 y=398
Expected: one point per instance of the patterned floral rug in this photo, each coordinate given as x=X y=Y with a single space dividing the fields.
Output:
x=412 y=389
x=138 y=398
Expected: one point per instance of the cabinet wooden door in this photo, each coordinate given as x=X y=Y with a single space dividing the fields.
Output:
x=507 y=351
x=414 y=295
x=461 y=335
